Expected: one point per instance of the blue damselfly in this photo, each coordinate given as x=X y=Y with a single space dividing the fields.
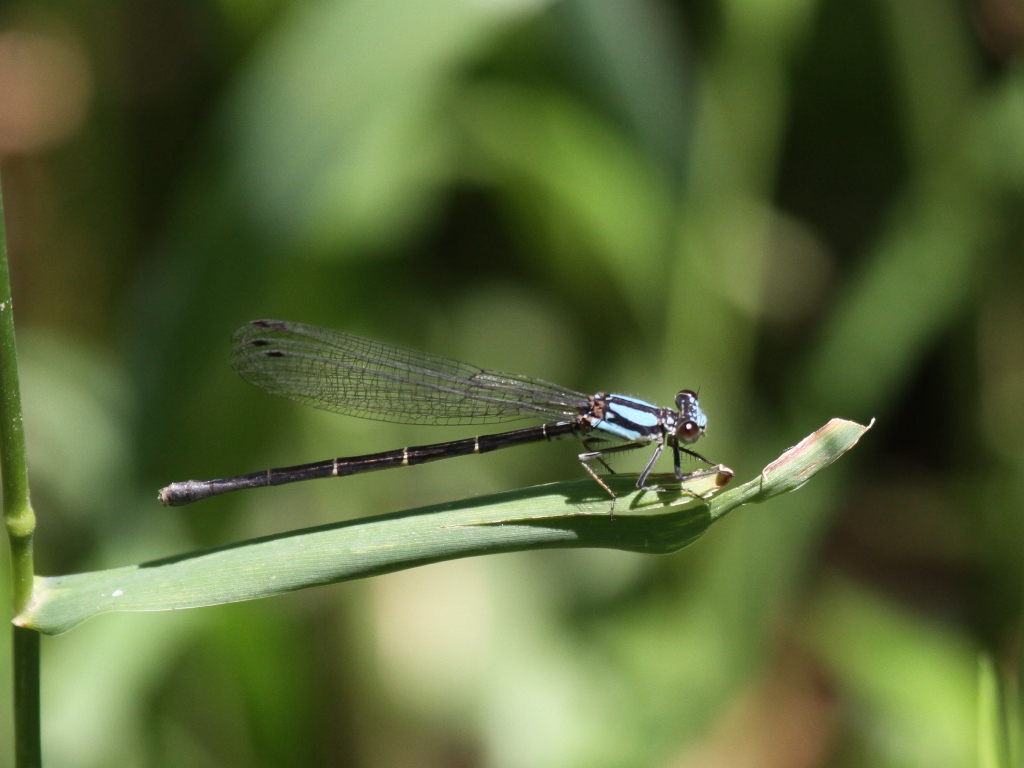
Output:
x=347 y=374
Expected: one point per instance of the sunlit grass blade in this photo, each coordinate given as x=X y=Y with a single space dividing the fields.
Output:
x=569 y=514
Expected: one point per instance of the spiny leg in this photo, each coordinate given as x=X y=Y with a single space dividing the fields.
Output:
x=641 y=482
x=676 y=449
x=589 y=444
x=597 y=456
x=600 y=454
x=696 y=455
x=693 y=475
x=600 y=482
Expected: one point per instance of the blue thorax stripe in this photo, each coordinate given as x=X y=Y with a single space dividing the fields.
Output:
x=643 y=415
x=619 y=430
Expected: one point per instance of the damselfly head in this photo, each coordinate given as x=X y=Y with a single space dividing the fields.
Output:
x=691 y=422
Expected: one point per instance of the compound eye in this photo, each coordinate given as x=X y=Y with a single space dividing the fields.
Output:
x=688 y=431
x=684 y=398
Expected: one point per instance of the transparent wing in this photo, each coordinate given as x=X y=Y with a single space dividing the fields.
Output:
x=348 y=374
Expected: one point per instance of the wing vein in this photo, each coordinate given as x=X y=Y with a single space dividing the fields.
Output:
x=344 y=373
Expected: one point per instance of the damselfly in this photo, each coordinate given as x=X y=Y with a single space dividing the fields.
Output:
x=348 y=374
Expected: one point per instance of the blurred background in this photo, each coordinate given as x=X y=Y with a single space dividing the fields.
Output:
x=806 y=209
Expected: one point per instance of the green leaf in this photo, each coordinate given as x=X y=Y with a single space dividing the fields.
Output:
x=569 y=514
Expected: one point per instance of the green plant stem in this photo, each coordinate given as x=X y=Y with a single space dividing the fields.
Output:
x=27 y=743
x=19 y=519
x=20 y=522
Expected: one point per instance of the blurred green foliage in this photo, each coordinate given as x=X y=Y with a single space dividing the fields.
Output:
x=806 y=209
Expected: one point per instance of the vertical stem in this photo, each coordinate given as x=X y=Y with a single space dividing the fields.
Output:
x=20 y=522
x=19 y=519
x=27 y=745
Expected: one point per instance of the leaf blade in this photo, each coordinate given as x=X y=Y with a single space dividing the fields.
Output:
x=566 y=514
